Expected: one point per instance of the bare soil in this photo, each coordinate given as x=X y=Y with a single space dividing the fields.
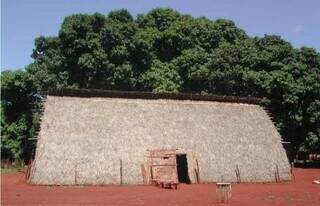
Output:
x=299 y=192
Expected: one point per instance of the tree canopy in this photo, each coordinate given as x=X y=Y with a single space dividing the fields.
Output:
x=165 y=51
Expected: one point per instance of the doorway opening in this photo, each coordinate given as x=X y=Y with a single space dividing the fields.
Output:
x=182 y=168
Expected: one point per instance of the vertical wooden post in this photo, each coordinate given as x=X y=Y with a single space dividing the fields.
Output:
x=144 y=174
x=277 y=175
x=121 y=171
x=238 y=174
x=175 y=159
x=197 y=171
x=32 y=169
x=150 y=168
x=292 y=172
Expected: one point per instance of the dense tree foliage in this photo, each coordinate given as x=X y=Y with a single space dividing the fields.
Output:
x=165 y=51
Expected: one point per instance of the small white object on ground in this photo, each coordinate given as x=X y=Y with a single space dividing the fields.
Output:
x=316 y=182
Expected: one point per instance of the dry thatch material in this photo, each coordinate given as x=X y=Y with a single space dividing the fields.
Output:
x=107 y=141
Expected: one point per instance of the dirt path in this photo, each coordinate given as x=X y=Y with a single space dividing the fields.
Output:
x=301 y=192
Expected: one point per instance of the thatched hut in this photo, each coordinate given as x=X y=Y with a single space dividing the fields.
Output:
x=101 y=137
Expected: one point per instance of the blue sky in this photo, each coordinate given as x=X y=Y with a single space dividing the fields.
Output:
x=297 y=21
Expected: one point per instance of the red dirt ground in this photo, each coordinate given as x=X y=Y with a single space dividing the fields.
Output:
x=300 y=192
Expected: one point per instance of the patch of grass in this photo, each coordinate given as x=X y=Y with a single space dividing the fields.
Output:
x=13 y=169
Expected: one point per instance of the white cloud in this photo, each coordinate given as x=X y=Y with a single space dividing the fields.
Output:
x=298 y=28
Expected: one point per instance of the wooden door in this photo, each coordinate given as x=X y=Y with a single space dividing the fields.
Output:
x=163 y=166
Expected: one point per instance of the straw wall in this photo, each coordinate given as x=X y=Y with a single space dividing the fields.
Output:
x=82 y=140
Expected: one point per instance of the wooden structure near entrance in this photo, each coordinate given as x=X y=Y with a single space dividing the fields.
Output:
x=163 y=168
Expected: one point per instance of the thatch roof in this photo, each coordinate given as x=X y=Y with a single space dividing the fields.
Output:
x=82 y=140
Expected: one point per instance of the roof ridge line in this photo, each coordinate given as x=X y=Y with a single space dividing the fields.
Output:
x=87 y=93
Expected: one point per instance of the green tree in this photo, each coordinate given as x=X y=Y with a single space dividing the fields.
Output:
x=15 y=114
x=165 y=51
